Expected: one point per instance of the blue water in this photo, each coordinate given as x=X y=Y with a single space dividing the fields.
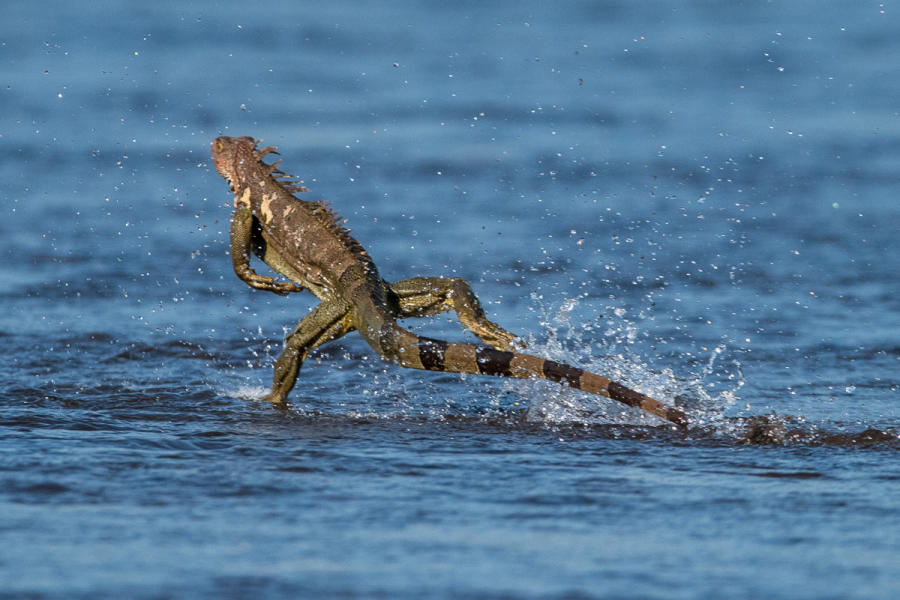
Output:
x=699 y=200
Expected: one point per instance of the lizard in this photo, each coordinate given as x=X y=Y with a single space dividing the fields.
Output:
x=307 y=243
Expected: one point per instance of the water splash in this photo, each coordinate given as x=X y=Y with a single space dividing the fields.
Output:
x=245 y=392
x=608 y=345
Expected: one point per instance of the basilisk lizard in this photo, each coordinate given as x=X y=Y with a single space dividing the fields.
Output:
x=307 y=243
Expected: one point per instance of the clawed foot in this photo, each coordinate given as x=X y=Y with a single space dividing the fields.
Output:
x=504 y=340
x=274 y=398
x=283 y=289
x=268 y=284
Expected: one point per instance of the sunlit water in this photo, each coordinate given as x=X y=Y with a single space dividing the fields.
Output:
x=698 y=201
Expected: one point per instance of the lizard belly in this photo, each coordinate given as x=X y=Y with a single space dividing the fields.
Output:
x=309 y=277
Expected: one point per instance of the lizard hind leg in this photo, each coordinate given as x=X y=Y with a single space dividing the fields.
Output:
x=426 y=296
x=326 y=322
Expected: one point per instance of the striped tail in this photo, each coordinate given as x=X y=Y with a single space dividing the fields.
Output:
x=437 y=355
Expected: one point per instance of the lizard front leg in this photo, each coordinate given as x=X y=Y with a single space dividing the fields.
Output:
x=241 y=237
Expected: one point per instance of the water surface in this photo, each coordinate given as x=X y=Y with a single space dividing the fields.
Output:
x=698 y=201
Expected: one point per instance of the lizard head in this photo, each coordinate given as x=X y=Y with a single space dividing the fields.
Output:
x=234 y=159
x=238 y=160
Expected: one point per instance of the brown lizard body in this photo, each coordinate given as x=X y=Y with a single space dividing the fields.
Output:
x=306 y=243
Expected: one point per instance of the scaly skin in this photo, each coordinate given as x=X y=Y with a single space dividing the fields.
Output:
x=307 y=243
